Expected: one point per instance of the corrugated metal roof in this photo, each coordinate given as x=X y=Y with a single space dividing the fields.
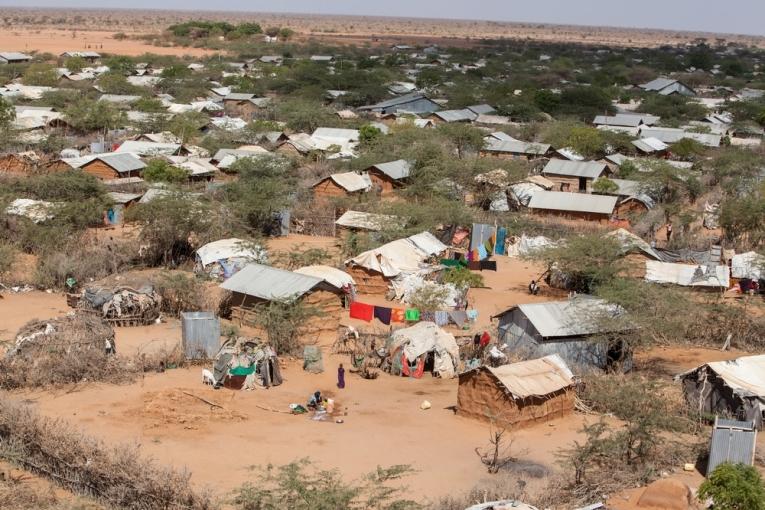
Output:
x=399 y=169
x=350 y=135
x=408 y=98
x=481 y=109
x=121 y=162
x=270 y=283
x=14 y=55
x=587 y=169
x=733 y=442
x=149 y=148
x=238 y=96
x=672 y=135
x=650 y=144
x=658 y=84
x=579 y=316
x=123 y=198
x=573 y=202
x=535 y=377
x=464 y=115
x=517 y=147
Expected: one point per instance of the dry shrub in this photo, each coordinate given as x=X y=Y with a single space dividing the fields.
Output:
x=65 y=350
x=496 y=488
x=19 y=492
x=117 y=476
x=83 y=262
x=180 y=293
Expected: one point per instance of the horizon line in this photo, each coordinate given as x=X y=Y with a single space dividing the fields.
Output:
x=290 y=13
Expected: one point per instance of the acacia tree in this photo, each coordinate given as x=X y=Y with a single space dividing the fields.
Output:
x=464 y=137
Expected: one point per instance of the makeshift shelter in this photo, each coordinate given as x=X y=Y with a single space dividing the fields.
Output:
x=256 y=284
x=575 y=175
x=733 y=442
x=733 y=388
x=749 y=265
x=517 y=394
x=424 y=347
x=386 y=177
x=200 y=334
x=567 y=328
x=122 y=306
x=38 y=211
x=699 y=276
x=225 y=257
x=374 y=269
x=245 y=364
x=575 y=205
x=342 y=185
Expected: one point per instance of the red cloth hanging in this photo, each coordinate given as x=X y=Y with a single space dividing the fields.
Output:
x=420 y=368
x=362 y=311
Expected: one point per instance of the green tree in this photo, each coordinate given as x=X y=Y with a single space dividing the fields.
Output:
x=368 y=133
x=463 y=137
x=115 y=83
x=160 y=170
x=303 y=115
x=734 y=487
x=7 y=115
x=75 y=64
x=87 y=115
x=586 y=261
x=285 y=34
x=688 y=149
x=40 y=74
x=605 y=185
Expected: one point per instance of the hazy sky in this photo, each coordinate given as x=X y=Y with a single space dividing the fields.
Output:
x=731 y=16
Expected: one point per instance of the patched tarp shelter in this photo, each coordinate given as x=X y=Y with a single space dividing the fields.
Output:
x=424 y=347
x=576 y=329
x=517 y=394
x=686 y=275
x=374 y=269
x=245 y=364
x=222 y=258
x=734 y=388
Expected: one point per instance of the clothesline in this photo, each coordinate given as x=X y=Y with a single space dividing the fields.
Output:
x=386 y=315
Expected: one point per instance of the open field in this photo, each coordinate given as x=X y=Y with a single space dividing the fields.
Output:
x=356 y=30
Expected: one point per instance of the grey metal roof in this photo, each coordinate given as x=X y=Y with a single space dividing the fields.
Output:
x=270 y=283
x=587 y=169
x=481 y=109
x=658 y=84
x=399 y=169
x=625 y=120
x=573 y=202
x=397 y=101
x=732 y=441
x=122 y=162
x=517 y=147
x=649 y=145
x=464 y=115
x=14 y=55
x=580 y=316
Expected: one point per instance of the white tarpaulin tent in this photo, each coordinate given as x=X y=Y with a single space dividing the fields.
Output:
x=400 y=256
x=225 y=249
x=225 y=257
x=331 y=275
x=686 y=275
x=425 y=337
x=748 y=265
x=526 y=245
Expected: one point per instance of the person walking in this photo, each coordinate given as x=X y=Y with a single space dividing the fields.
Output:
x=669 y=231
x=340 y=377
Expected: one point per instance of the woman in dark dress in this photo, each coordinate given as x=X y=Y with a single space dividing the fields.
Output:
x=341 y=377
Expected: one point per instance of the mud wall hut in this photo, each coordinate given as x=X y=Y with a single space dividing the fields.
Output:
x=518 y=394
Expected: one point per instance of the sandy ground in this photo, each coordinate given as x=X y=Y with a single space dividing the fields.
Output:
x=57 y=41
x=384 y=426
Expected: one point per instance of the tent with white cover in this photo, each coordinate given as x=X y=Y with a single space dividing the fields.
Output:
x=331 y=275
x=374 y=269
x=423 y=347
x=223 y=258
